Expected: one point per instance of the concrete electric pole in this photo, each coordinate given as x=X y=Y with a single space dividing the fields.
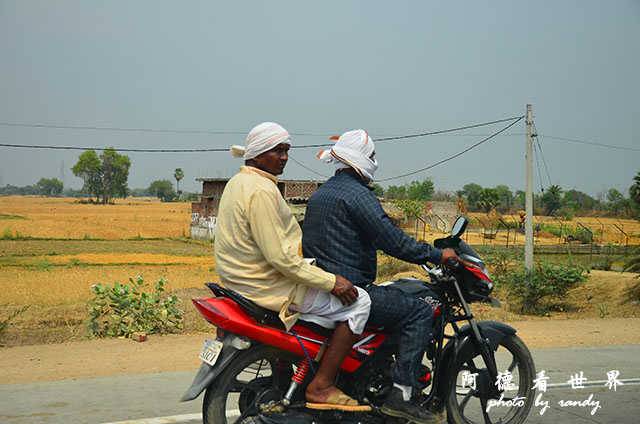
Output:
x=528 y=224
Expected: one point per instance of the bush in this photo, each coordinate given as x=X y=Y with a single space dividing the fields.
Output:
x=500 y=259
x=391 y=266
x=632 y=264
x=122 y=310
x=580 y=234
x=538 y=290
x=606 y=259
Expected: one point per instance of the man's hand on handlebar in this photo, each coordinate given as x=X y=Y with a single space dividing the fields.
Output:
x=449 y=257
x=344 y=290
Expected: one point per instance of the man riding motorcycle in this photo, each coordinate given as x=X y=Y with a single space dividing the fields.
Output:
x=256 y=250
x=344 y=227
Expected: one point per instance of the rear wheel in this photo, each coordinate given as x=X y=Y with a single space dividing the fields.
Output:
x=260 y=372
x=466 y=405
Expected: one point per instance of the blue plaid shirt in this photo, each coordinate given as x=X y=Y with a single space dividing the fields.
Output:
x=345 y=225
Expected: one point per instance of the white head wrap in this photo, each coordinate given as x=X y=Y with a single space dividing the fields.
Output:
x=262 y=138
x=353 y=149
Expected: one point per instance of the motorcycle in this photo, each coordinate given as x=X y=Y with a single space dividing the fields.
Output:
x=255 y=371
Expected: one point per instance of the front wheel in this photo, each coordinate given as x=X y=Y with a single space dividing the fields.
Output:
x=467 y=404
x=259 y=373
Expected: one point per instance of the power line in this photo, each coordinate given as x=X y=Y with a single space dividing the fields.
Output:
x=210 y=132
x=28 y=146
x=535 y=131
x=456 y=155
x=450 y=130
x=151 y=130
x=309 y=169
x=590 y=142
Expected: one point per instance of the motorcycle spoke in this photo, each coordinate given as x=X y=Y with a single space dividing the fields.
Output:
x=238 y=386
x=464 y=402
x=513 y=365
x=485 y=414
x=247 y=412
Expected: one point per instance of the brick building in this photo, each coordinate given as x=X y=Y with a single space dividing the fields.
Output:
x=203 y=214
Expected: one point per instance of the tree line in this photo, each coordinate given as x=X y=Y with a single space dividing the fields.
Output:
x=553 y=200
x=105 y=177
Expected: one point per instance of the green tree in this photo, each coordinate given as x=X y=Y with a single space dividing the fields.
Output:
x=178 y=174
x=420 y=191
x=396 y=192
x=89 y=169
x=115 y=173
x=615 y=200
x=50 y=187
x=552 y=199
x=378 y=191
x=163 y=189
x=505 y=196
x=488 y=199
x=105 y=175
x=578 y=200
x=634 y=191
x=472 y=193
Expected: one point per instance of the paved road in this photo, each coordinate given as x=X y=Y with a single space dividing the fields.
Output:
x=154 y=398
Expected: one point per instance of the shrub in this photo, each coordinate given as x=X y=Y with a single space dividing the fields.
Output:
x=536 y=291
x=5 y=322
x=606 y=259
x=632 y=264
x=500 y=259
x=391 y=266
x=122 y=310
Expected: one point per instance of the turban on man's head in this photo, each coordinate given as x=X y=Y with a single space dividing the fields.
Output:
x=261 y=138
x=353 y=149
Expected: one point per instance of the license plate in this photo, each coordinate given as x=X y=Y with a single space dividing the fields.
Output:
x=210 y=351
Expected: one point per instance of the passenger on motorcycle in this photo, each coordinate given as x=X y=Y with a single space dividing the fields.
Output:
x=256 y=250
x=344 y=227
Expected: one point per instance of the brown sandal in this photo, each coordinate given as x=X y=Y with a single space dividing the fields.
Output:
x=338 y=401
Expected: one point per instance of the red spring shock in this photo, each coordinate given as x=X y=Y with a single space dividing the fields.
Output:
x=301 y=371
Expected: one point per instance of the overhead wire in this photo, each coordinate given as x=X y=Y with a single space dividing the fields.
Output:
x=535 y=153
x=544 y=162
x=424 y=134
x=590 y=142
x=401 y=137
x=308 y=169
x=516 y=120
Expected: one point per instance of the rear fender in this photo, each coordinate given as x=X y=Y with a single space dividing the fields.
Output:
x=462 y=344
x=207 y=373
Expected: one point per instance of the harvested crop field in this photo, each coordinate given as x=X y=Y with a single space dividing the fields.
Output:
x=65 y=218
x=52 y=250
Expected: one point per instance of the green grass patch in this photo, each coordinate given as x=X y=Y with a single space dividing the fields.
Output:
x=34 y=247
x=4 y=216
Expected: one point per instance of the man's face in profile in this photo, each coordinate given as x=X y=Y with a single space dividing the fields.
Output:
x=274 y=160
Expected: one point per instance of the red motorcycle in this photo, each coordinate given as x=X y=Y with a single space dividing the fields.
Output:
x=256 y=372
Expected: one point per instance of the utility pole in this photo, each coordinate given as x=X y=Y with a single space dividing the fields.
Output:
x=528 y=224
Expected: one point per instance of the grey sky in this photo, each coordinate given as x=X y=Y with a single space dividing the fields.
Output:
x=392 y=68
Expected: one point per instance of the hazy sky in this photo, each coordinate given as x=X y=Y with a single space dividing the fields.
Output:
x=321 y=68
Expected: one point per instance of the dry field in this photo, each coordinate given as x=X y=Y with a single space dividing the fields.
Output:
x=52 y=250
x=63 y=218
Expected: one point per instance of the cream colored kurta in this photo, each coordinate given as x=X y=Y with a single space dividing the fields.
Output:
x=256 y=245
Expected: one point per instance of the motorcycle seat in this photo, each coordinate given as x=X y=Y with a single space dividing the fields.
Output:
x=260 y=314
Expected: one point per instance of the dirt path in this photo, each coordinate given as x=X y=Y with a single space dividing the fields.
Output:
x=108 y=357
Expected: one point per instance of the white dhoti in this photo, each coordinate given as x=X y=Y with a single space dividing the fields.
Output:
x=324 y=309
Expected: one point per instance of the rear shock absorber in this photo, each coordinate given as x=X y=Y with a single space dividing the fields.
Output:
x=296 y=380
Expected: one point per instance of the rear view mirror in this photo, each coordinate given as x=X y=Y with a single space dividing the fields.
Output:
x=459 y=226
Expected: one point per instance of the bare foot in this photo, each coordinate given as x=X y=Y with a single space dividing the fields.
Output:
x=320 y=396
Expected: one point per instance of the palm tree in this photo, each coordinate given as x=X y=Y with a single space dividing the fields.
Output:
x=178 y=174
x=634 y=190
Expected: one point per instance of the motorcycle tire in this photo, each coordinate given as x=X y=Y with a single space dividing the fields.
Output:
x=231 y=397
x=466 y=405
